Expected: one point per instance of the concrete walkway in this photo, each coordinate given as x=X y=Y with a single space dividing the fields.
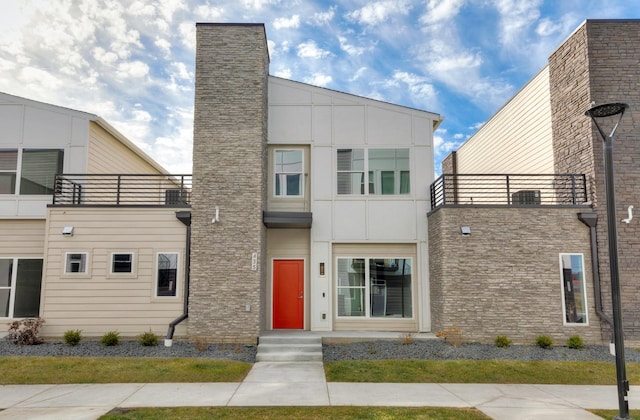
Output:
x=304 y=384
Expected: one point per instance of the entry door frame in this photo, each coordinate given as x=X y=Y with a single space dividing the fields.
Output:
x=304 y=290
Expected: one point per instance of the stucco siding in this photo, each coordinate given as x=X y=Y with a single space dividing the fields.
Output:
x=100 y=301
x=517 y=139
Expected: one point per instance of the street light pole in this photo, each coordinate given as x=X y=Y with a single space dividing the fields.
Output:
x=604 y=111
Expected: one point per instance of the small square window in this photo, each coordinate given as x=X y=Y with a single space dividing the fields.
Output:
x=76 y=263
x=122 y=263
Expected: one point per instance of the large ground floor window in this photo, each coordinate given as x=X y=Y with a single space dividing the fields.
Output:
x=20 y=281
x=374 y=287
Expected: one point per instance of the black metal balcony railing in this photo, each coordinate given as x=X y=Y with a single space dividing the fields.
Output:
x=509 y=190
x=122 y=190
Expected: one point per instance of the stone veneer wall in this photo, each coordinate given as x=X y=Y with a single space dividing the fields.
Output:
x=504 y=278
x=229 y=171
x=600 y=63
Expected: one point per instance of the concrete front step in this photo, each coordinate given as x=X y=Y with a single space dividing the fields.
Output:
x=289 y=349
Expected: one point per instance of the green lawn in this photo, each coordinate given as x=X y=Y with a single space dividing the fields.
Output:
x=307 y=413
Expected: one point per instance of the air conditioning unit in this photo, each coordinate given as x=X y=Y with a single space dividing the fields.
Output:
x=526 y=197
x=176 y=196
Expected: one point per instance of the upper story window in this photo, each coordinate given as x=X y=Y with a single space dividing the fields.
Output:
x=76 y=262
x=36 y=173
x=8 y=169
x=289 y=169
x=373 y=172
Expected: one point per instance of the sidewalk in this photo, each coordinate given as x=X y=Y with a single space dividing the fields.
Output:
x=304 y=384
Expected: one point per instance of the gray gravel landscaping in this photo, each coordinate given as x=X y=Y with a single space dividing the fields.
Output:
x=374 y=350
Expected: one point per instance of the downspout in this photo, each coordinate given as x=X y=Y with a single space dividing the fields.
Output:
x=185 y=218
x=591 y=220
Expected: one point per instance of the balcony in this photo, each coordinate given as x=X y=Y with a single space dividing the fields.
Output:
x=163 y=190
x=528 y=190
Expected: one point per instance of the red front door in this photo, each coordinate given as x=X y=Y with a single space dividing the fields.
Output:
x=288 y=294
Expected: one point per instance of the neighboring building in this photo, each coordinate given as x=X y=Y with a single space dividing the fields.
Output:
x=87 y=262
x=529 y=262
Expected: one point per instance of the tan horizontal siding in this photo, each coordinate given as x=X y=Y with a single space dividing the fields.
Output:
x=400 y=325
x=107 y=155
x=22 y=238
x=517 y=139
x=99 y=301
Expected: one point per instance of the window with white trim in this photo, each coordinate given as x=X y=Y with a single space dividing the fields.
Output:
x=373 y=172
x=20 y=283
x=121 y=263
x=289 y=172
x=371 y=287
x=574 y=295
x=76 y=263
x=167 y=274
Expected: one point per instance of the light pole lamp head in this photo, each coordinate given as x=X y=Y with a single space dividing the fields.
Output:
x=604 y=111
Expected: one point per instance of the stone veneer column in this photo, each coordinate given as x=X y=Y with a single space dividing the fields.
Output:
x=600 y=63
x=229 y=172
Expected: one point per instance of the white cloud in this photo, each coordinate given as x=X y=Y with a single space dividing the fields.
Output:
x=310 y=49
x=441 y=10
x=516 y=17
x=107 y=58
x=188 y=35
x=323 y=18
x=476 y=126
x=135 y=69
x=319 y=79
x=209 y=13
x=378 y=12
x=284 y=73
x=257 y=4
x=140 y=8
x=348 y=48
x=284 y=23
x=163 y=45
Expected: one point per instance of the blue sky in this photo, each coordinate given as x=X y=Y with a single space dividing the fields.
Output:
x=132 y=61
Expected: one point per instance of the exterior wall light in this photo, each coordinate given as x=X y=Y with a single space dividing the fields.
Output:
x=465 y=230
x=67 y=231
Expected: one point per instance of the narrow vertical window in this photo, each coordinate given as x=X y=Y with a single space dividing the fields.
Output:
x=573 y=289
x=351 y=171
x=8 y=168
x=6 y=277
x=76 y=263
x=289 y=173
x=167 y=275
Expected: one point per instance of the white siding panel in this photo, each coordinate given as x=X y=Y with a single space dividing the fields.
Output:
x=11 y=119
x=388 y=127
x=349 y=125
x=321 y=130
x=350 y=220
x=46 y=128
x=321 y=226
x=517 y=139
x=422 y=131
x=392 y=221
x=322 y=186
x=290 y=124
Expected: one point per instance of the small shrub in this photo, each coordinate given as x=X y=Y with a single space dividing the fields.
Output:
x=544 y=341
x=406 y=338
x=25 y=331
x=72 y=337
x=502 y=341
x=148 y=339
x=575 y=342
x=111 y=338
x=451 y=335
